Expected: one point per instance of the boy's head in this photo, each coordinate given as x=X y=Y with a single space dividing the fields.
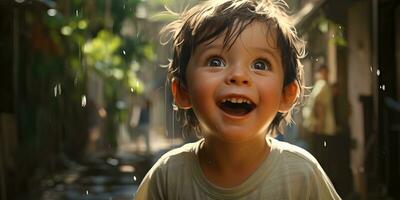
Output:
x=212 y=19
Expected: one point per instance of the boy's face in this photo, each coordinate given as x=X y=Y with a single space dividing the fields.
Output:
x=236 y=93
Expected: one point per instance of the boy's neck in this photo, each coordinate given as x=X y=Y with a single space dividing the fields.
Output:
x=228 y=164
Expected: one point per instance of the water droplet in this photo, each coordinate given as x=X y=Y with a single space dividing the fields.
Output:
x=174 y=107
x=55 y=91
x=134 y=178
x=370 y=68
x=83 y=102
x=132 y=90
x=87 y=192
x=324 y=143
x=316 y=60
x=378 y=72
x=340 y=27
x=77 y=13
x=59 y=88
x=51 y=12
x=124 y=52
x=382 y=87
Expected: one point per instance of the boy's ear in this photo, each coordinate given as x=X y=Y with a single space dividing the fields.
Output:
x=289 y=97
x=181 y=95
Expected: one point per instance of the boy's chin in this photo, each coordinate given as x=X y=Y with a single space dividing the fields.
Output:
x=236 y=136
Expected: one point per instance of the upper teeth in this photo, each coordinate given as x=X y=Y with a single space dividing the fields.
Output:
x=236 y=100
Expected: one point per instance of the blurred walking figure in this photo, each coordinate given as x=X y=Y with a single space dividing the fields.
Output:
x=318 y=113
x=139 y=125
x=319 y=121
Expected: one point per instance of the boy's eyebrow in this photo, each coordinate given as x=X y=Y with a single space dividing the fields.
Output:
x=212 y=45
x=206 y=46
x=260 y=48
x=218 y=45
x=267 y=50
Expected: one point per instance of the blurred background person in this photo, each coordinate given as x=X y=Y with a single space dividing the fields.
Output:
x=319 y=120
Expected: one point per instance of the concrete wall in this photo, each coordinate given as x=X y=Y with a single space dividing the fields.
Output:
x=359 y=81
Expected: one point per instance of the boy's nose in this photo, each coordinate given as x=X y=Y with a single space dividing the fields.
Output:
x=238 y=76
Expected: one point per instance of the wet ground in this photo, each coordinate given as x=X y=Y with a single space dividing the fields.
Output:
x=102 y=178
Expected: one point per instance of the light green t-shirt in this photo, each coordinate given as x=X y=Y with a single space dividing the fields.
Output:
x=289 y=172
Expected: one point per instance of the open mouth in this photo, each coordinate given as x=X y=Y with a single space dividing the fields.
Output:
x=236 y=106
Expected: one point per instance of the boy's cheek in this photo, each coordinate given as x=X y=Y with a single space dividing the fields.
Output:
x=202 y=92
x=200 y=95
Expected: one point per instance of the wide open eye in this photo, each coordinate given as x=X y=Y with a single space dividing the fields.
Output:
x=261 y=65
x=216 y=62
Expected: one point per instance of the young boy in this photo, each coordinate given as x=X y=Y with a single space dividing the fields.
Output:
x=235 y=77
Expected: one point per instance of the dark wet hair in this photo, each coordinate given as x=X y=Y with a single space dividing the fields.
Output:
x=210 y=19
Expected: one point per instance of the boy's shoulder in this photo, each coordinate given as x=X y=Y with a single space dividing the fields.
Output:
x=288 y=160
x=179 y=155
x=303 y=172
x=293 y=153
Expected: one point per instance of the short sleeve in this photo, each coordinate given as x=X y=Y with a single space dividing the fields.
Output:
x=151 y=187
x=143 y=190
x=322 y=187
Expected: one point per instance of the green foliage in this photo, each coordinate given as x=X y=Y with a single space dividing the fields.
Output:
x=100 y=52
x=323 y=24
x=88 y=44
x=91 y=47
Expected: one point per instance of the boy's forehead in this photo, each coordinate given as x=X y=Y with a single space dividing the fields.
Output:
x=258 y=35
